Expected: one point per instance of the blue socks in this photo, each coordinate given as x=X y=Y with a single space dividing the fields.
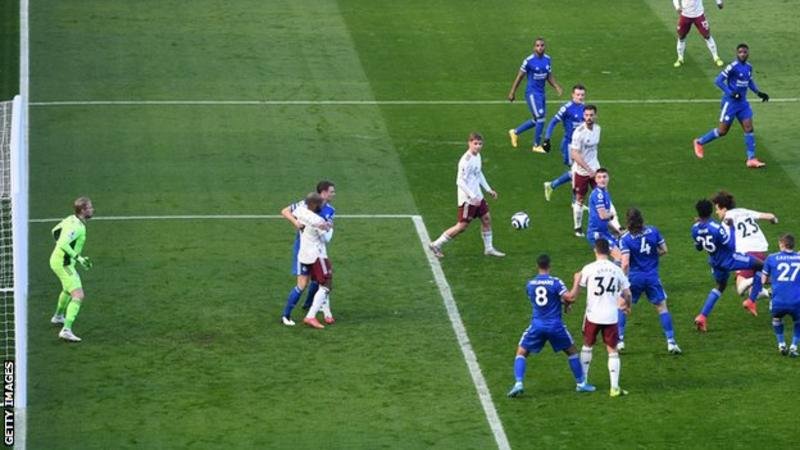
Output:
x=750 y=145
x=565 y=177
x=712 y=298
x=527 y=125
x=576 y=367
x=622 y=320
x=312 y=291
x=666 y=324
x=777 y=326
x=756 y=288
x=539 y=129
x=708 y=137
x=294 y=296
x=796 y=336
x=519 y=368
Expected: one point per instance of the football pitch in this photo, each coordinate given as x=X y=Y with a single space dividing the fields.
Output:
x=192 y=124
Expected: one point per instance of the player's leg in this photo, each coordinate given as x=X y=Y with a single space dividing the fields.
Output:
x=319 y=273
x=622 y=319
x=63 y=296
x=796 y=333
x=327 y=313
x=725 y=120
x=659 y=300
x=466 y=213
x=294 y=295
x=684 y=25
x=580 y=187
x=486 y=231
x=312 y=291
x=70 y=282
x=540 y=109
x=745 y=116
x=530 y=123
x=705 y=30
x=721 y=278
x=611 y=338
x=777 y=328
x=530 y=341
x=755 y=265
x=590 y=331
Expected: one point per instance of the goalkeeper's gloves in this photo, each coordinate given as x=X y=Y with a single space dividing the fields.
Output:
x=84 y=261
x=546 y=145
x=763 y=96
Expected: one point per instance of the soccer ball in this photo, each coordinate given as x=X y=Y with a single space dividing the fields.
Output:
x=520 y=220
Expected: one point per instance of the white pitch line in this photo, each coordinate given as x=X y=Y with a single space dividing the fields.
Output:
x=478 y=380
x=653 y=101
x=224 y=217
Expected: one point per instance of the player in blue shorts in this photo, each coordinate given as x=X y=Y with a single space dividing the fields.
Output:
x=571 y=116
x=641 y=247
x=538 y=69
x=600 y=214
x=734 y=81
x=327 y=190
x=783 y=268
x=712 y=237
x=546 y=294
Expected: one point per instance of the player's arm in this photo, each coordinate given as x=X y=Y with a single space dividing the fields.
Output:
x=722 y=82
x=552 y=80
x=626 y=261
x=65 y=240
x=762 y=95
x=309 y=218
x=677 y=5
x=773 y=219
x=486 y=187
x=553 y=122
x=625 y=301
x=662 y=248
x=515 y=85
x=289 y=215
x=577 y=157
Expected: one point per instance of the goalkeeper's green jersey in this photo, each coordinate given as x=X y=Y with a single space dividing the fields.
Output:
x=70 y=235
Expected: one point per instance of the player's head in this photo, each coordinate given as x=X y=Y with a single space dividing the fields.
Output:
x=742 y=52
x=543 y=262
x=704 y=209
x=314 y=202
x=723 y=201
x=578 y=93
x=539 y=46
x=602 y=177
x=83 y=207
x=786 y=242
x=634 y=220
x=602 y=247
x=327 y=190
x=589 y=114
x=475 y=142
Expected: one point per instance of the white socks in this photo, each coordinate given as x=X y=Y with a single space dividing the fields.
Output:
x=712 y=47
x=681 y=48
x=319 y=298
x=613 y=369
x=443 y=239
x=586 y=360
x=577 y=214
x=487 y=240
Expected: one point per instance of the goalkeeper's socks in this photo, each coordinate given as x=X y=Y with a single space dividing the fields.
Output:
x=777 y=327
x=711 y=300
x=520 y=364
x=527 y=125
x=750 y=145
x=666 y=325
x=576 y=367
x=63 y=301
x=294 y=296
x=72 y=312
x=565 y=177
x=312 y=291
x=708 y=137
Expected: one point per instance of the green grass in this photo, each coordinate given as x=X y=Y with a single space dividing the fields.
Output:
x=182 y=345
x=9 y=49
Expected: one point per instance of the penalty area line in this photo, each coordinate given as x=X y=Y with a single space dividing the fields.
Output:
x=471 y=359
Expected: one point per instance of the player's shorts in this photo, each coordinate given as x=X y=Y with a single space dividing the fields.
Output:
x=650 y=286
x=781 y=310
x=593 y=236
x=748 y=273
x=700 y=22
x=467 y=212
x=582 y=183
x=534 y=338
x=730 y=109
x=70 y=280
x=536 y=104
x=565 y=155
x=610 y=333
x=321 y=271
x=737 y=261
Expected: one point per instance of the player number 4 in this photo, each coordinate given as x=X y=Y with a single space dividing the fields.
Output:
x=645 y=247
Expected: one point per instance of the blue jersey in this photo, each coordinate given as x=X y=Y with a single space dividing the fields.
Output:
x=571 y=115
x=538 y=70
x=783 y=269
x=642 y=250
x=545 y=293
x=715 y=240
x=600 y=198
x=735 y=78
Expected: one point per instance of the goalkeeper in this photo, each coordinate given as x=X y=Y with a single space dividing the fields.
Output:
x=70 y=235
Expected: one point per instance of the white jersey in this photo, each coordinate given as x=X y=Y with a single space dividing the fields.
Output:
x=586 y=141
x=604 y=282
x=749 y=237
x=691 y=8
x=312 y=238
x=470 y=178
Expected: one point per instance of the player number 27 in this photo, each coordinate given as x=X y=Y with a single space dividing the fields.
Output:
x=785 y=268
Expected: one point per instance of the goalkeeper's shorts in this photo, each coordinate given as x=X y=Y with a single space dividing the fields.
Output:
x=70 y=280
